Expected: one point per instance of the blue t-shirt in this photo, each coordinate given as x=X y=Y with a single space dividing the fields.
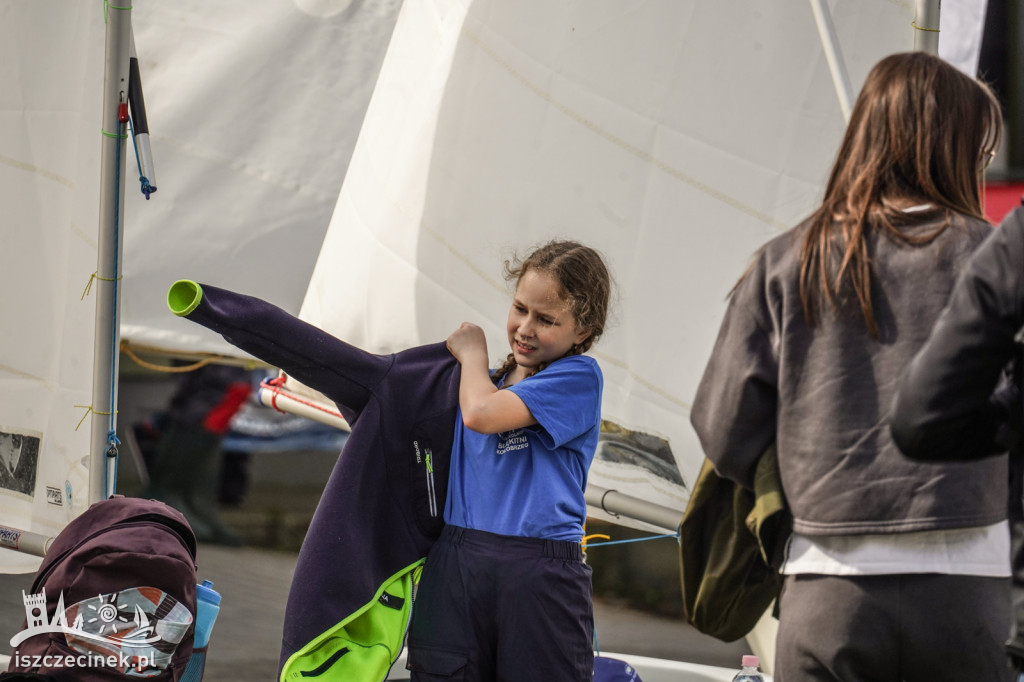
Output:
x=530 y=482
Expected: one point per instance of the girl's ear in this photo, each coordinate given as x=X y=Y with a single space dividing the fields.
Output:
x=582 y=336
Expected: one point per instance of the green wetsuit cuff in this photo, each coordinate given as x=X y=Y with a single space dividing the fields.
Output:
x=184 y=296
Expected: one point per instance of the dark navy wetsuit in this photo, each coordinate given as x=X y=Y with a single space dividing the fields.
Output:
x=381 y=510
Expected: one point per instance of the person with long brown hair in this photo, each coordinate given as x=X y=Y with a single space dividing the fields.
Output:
x=896 y=569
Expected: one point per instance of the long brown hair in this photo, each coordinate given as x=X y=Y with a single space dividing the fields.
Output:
x=920 y=132
x=584 y=284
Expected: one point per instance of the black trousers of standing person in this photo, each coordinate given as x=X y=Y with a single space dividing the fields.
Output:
x=921 y=627
x=1015 y=643
x=499 y=608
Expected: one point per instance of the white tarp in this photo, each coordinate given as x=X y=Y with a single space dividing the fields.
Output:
x=51 y=82
x=253 y=108
x=962 y=28
x=676 y=137
x=253 y=111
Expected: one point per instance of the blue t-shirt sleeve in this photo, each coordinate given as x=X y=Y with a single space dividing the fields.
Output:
x=564 y=398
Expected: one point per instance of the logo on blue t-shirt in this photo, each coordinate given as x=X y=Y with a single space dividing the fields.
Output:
x=510 y=441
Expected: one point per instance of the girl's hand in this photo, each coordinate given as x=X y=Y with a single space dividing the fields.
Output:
x=467 y=341
x=485 y=409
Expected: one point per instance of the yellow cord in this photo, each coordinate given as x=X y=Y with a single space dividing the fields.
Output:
x=108 y=6
x=200 y=359
x=922 y=28
x=164 y=368
x=88 y=409
x=96 y=275
x=595 y=535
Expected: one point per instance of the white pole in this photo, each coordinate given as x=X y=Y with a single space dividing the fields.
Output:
x=284 y=401
x=620 y=504
x=102 y=467
x=23 y=541
x=834 y=56
x=926 y=26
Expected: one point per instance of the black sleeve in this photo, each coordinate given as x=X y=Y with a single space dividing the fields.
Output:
x=947 y=406
x=345 y=374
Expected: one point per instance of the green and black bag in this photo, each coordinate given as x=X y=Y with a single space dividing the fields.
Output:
x=731 y=544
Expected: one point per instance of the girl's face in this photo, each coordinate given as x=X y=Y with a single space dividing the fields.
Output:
x=540 y=327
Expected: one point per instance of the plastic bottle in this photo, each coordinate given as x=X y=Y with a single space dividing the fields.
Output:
x=207 y=608
x=749 y=672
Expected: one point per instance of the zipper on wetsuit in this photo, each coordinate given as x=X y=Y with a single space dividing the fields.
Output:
x=428 y=455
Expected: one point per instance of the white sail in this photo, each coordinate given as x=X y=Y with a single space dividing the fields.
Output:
x=676 y=137
x=254 y=108
x=51 y=80
x=963 y=25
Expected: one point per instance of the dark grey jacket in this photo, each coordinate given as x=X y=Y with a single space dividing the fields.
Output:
x=823 y=393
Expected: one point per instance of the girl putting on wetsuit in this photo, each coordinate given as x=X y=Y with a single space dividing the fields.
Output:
x=505 y=594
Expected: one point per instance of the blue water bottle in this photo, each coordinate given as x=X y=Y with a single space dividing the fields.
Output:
x=207 y=608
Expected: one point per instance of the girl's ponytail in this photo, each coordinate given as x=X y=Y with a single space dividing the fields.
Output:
x=506 y=367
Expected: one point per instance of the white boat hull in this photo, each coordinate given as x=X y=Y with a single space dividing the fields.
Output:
x=649 y=670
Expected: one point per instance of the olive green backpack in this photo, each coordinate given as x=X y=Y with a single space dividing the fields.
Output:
x=731 y=544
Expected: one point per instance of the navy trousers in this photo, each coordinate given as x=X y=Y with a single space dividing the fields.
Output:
x=499 y=608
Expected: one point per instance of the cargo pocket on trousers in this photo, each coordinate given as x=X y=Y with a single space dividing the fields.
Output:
x=437 y=664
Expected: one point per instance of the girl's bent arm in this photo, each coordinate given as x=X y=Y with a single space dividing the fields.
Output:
x=485 y=409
